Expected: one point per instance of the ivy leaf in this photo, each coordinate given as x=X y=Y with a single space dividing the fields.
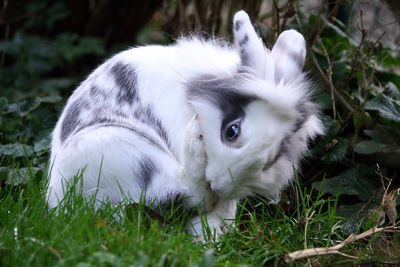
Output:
x=23 y=175
x=338 y=151
x=386 y=108
x=3 y=103
x=371 y=147
x=349 y=182
x=42 y=146
x=383 y=140
x=16 y=150
x=52 y=86
x=38 y=101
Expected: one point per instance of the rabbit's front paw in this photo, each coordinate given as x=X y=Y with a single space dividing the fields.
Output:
x=194 y=153
x=210 y=226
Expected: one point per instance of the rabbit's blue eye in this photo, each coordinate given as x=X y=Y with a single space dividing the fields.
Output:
x=232 y=132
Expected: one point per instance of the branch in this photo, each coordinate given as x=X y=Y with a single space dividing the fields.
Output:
x=335 y=91
x=311 y=252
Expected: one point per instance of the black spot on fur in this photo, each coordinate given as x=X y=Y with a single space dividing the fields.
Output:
x=126 y=78
x=146 y=116
x=238 y=24
x=146 y=168
x=291 y=147
x=71 y=121
x=244 y=40
x=96 y=121
x=119 y=113
x=244 y=57
x=224 y=93
x=96 y=92
x=305 y=110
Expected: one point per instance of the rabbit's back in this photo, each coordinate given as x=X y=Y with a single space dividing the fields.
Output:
x=145 y=87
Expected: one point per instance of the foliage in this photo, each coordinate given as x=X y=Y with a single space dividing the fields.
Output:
x=360 y=99
x=357 y=82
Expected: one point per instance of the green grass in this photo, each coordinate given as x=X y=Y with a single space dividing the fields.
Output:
x=40 y=67
x=119 y=235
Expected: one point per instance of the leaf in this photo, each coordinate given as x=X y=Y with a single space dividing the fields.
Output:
x=389 y=58
x=349 y=182
x=386 y=108
x=208 y=258
x=38 y=101
x=324 y=100
x=388 y=76
x=361 y=119
x=16 y=150
x=42 y=146
x=52 y=86
x=384 y=134
x=371 y=147
x=394 y=92
x=3 y=103
x=356 y=215
x=23 y=175
x=338 y=151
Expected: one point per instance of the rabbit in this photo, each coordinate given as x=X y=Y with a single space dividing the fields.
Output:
x=204 y=119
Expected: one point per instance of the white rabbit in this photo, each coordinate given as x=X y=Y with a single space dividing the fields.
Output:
x=201 y=119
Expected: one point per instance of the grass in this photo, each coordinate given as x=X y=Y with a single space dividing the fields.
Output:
x=360 y=105
x=122 y=235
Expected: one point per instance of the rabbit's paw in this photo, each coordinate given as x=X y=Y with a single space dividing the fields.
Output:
x=210 y=226
x=194 y=153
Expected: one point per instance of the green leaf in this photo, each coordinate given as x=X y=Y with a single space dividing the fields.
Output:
x=52 y=86
x=338 y=152
x=371 y=147
x=209 y=259
x=40 y=100
x=384 y=134
x=389 y=58
x=386 y=108
x=324 y=100
x=349 y=182
x=3 y=103
x=388 y=76
x=361 y=119
x=394 y=92
x=16 y=150
x=23 y=175
x=42 y=146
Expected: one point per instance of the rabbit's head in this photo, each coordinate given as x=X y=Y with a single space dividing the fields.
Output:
x=248 y=116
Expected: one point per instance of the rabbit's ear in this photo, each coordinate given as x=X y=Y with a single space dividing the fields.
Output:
x=253 y=54
x=288 y=54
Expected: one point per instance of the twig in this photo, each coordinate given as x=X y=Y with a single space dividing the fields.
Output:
x=277 y=17
x=354 y=63
x=337 y=94
x=385 y=188
x=311 y=252
x=308 y=218
x=305 y=228
x=329 y=73
x=57 y=253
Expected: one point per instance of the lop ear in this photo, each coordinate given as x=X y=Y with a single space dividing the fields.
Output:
x=288 y=55
x=253 y=54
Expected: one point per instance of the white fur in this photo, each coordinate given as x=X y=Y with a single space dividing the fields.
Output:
x=194 y=162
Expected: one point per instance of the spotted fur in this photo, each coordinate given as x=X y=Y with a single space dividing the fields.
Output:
x=154 y=121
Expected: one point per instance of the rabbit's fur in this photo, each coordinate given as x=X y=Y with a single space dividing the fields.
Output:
x=202 y=119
